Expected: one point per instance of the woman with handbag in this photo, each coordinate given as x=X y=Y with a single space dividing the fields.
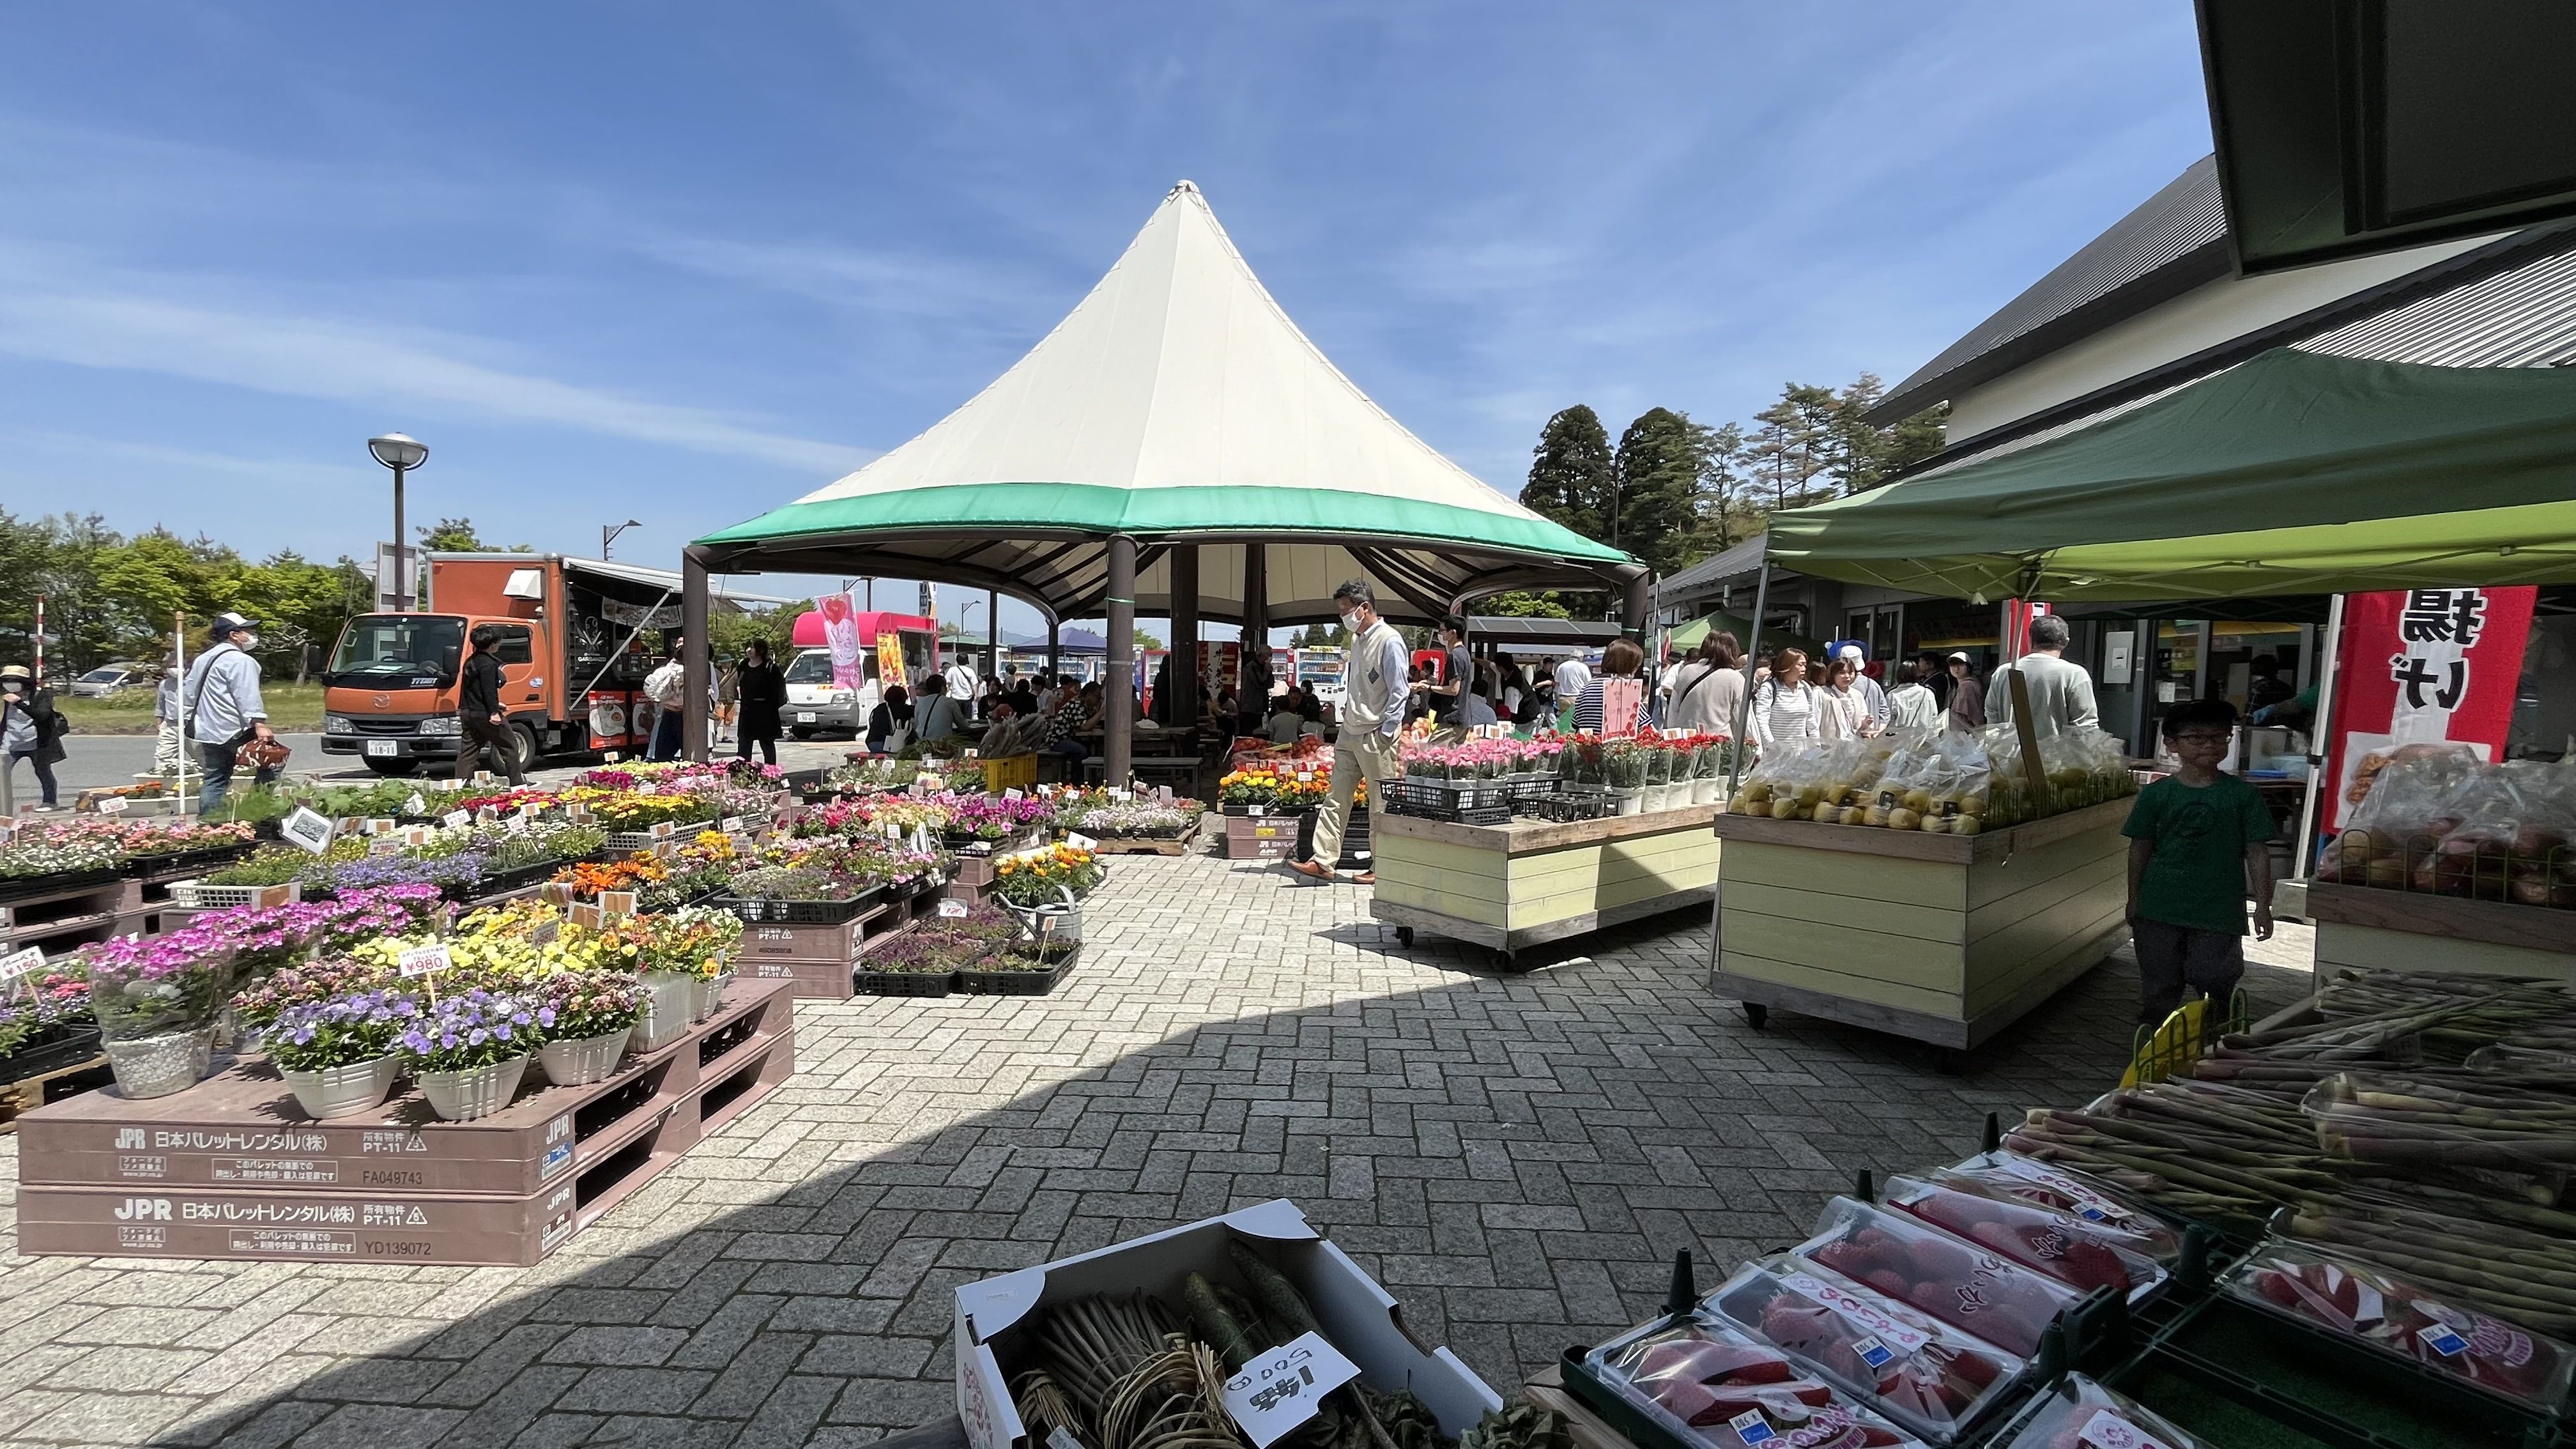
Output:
x=761 y=688
x=1707 y=690
x=31 y=729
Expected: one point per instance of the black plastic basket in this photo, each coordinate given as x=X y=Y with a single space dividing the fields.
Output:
x=59 y=1047
x=1528 y=790
x=799 y=913
x=1017 y=983
x=58 y=883
x=181 y=864
x=902 y=983
x=1466 y=802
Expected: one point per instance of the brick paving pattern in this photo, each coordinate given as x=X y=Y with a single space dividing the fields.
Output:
x=1515 y=1157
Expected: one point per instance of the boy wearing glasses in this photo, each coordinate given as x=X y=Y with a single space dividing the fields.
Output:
x=2197 y=845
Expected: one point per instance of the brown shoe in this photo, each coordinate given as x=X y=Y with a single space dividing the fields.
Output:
x=1310 y=869
x=1366 y=877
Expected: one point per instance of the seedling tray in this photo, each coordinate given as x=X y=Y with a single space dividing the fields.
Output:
x=800 y=913
x=903 y=983
x=1017 y=983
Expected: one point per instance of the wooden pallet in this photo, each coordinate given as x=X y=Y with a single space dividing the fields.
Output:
x=26 y=1094
x=1179 y=845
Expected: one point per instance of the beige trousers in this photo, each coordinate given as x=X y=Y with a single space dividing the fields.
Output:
x=1356 y=757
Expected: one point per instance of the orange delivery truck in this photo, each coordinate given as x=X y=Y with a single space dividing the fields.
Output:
x=578 y=637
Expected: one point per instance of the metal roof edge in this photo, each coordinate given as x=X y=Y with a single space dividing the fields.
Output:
x=2431 y=280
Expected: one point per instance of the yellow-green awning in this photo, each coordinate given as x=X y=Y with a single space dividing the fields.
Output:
x=2294 y=473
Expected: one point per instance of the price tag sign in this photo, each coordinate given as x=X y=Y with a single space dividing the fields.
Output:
x=647 y=787
x=1163 y=793
x=1256 y=810
x=15 y=967
x=425 y=961
x=1281 y=1388
x=415 y=805
x=529 y=811
x=381 y=825
x=733 y=825
x=486 y=815
x=482 y=777
x=616 y=903
x=416 y=835
x=1080 y=841
x=456 y=819
x=953 y=910
x=516 y=825
x=2107 y=1430
x=112 y=805
x=1013 y=794
x=308 y=830
x=610 y=757
x=1751 y=1427
x=1122 y=796
x=664 y=830
x=970 y=754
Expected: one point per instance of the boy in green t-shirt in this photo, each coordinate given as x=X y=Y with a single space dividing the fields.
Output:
x=2197 y=843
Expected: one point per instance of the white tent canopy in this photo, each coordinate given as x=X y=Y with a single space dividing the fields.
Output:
x=1176 y=405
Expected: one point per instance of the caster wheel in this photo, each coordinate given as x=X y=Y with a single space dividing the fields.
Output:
x=1404 y=935
x=1950 y=1062
x=1756 y=1017
x=1507 y=960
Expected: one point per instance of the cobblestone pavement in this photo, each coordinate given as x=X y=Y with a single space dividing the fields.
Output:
x=1516 y=1158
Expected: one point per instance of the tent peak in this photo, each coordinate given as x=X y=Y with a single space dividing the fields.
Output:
x=1184 y=185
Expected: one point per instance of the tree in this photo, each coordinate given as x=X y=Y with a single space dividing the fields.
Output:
x=1722 y=463
x=731 y=632
x=1572 y=474
x=301 y=606
x=1655 y=504
x=452 y=535
x=1147 y=641
x=1549 y=605
x=1318 y=635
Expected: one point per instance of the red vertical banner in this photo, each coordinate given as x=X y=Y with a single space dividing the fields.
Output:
x=2420 y=667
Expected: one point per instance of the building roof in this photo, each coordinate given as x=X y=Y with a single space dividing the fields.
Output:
x=1743 y=558
x=2174 y=241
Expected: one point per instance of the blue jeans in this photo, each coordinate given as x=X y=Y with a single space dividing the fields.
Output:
x=218 y=760
x=44 y=771
x=666 y=736
x=1072 y=749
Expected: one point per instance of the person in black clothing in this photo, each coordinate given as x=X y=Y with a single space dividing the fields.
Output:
x=892 y=714
x=478 y=705
x=761 y=689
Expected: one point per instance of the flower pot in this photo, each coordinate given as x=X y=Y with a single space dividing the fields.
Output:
x=580 y=1062
x=670 y=999
x=343 y=1090
x=1630 y=801
x=474 y=1092
x=156 y=1066
x=706 y=994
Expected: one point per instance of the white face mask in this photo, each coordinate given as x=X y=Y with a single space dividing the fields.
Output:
x=250 y=641
x=1351 y=622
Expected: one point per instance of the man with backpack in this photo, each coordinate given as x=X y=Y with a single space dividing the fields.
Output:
x=221 y=706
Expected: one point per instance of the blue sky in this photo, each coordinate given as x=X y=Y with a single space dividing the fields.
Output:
x=683 y=263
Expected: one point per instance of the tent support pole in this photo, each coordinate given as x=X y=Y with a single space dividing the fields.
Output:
x=697 y=654
x=1055 y=647
x=1184 y=574
x=1119 y=714
x=993 y=634
x=2319 y=726
x=1735 y=757
x=1256 y=632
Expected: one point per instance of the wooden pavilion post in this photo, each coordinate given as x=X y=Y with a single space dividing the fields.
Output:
x=1055 y=647
x=1184 y=574
x=1252 y=689
x=993 y=634
x=1119 y=712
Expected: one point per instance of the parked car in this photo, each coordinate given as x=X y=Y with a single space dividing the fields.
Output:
x=114 y=678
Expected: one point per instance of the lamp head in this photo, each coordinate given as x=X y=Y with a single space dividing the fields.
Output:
x=398 y=450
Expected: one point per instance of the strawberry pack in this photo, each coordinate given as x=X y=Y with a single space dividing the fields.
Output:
x=2111 y=1216
x=2076 y=1251
x=2082 y=1414
x=2394 y=1316
x=1962 y=1284
x=1929 y=1377
x=1713 y=1385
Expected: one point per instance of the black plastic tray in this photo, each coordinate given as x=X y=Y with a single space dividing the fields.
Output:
x=800 y=913
x=59 y=883
x=180 y=864
x=902 y=983
x=1017 y=983
x=61 y=1046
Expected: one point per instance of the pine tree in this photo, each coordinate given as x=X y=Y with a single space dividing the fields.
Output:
x=1655 y=505
x=1571 y=473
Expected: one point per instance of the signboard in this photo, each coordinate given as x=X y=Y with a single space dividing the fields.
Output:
x=841 y=635
x=307 y=830
x=2423 y=667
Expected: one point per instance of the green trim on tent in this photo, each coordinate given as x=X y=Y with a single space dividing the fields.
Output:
x=2294 y=473
x=1091 y=508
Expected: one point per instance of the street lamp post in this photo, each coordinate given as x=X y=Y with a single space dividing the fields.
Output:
x=608 y=535
x=402 y=454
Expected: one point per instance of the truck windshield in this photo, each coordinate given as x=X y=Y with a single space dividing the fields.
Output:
x=814 y=666
x=399 y=651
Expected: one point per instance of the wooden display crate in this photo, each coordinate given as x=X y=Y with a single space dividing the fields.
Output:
x=1261 y=837
x=1943 y=938
x=1523 y=884
x=41 y=914
x=2369 y=928
x=232 y=1169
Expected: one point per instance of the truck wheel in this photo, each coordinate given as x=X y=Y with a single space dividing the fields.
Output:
x=525 y=745
x=393 y=767
x=802 y=732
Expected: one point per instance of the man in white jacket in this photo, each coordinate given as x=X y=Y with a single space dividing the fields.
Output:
x=221 y=701
x=2061 y=694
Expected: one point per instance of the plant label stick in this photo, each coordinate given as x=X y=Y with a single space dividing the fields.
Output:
x=15 y=967
x=953 y=910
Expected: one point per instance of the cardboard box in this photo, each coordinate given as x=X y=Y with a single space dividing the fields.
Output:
x=1358 y=1317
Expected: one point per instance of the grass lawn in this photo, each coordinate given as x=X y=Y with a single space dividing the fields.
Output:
x=291 y=707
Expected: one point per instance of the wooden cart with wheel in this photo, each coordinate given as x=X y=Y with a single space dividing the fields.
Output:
x=1512 y=887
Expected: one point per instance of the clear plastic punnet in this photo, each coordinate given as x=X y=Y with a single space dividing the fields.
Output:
x=2110 y=1214
x=1922 y=1373
x=1972 y=1288
x=1708 y=1383
x=2078 y=1413
x=2381 y=1309
x=2075 y=1251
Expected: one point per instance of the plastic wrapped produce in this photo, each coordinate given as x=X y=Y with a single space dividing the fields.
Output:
x=2395 y=1316
x=1967 y=1286
x=2397 y=798
x=1788 y=778
x=2078 y=1253
x=1707 y=1382
x=2081 y=1414
x=1926 y=1376
x=2111 y=1217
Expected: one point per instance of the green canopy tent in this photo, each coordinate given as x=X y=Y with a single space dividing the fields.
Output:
x=2293 y=473
x=1686 y=637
